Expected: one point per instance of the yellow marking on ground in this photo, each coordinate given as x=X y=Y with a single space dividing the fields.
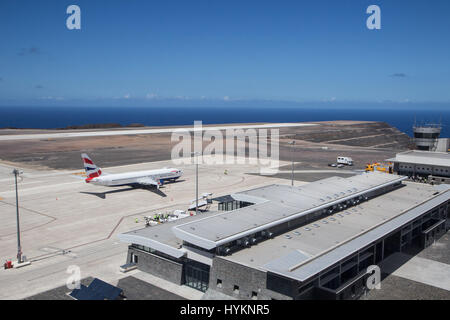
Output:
x=79 y=173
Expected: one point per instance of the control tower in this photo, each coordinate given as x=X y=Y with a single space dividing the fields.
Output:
x=426 y=136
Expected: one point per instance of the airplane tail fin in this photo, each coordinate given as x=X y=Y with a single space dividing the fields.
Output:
x=92 y=171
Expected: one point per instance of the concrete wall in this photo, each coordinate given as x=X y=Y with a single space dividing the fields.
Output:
x=405 y=168
x=439 y=180
x=443 y=145
x=248 y=279
x=160 y=267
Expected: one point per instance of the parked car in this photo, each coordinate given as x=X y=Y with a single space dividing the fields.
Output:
x=332 y=164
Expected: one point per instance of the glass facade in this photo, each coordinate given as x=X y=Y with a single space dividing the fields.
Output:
x=197 y=275
x=426 y=135
x=233 y=205
x=143 y=248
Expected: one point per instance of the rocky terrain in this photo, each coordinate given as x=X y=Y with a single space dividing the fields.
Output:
x=315 y=147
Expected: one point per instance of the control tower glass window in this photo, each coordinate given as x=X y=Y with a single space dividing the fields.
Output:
x=426 y=135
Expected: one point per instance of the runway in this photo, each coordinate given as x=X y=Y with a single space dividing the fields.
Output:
x=61 y=135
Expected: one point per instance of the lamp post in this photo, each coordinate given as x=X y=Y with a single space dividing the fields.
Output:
x=292 y=151
x=196 y=154
x=16 y=173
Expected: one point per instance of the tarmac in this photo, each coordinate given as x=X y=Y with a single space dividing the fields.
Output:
x=426 y=271
x=133 y=288
x=416 y=276
x=66 y=222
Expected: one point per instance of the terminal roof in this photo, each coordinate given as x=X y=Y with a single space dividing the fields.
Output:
x=303 y=252
x=423 y=157
x=276 y=204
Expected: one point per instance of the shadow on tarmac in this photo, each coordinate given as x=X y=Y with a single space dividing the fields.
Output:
x=102 y=195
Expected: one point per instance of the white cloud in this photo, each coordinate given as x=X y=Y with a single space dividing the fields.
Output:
x=332 y=99
x=51 y=98
x=182 y=98
x=151 y=96
x=226 y=98
x=127 y=96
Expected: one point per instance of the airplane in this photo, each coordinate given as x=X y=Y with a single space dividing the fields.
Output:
x=144 y=178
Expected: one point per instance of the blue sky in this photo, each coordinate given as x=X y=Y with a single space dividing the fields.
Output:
x=217 y=52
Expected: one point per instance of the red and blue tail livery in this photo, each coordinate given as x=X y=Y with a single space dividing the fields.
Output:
x=92 y=171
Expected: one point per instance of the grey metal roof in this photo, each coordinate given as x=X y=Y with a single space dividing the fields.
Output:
x=423 y=157
x=150 y=243
x=226 y=198
x=320 y=235
x=300 y=267
x=278 y=204
x=160 y=237
x=157 y=237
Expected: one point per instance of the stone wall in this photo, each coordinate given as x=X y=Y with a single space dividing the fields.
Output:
x=248 y=281
x=158 y=266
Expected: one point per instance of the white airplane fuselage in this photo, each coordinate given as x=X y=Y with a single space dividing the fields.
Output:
x=137 y=177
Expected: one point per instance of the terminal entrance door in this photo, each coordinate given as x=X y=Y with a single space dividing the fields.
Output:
x=197 y=275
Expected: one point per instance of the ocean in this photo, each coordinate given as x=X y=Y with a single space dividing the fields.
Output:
x=54 y=117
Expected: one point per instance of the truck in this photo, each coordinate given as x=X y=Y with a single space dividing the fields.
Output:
x=345 y=160
x=376 y=166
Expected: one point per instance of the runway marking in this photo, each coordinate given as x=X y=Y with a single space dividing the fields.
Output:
x=323 y=171
x=32 y=211
x=347 y=139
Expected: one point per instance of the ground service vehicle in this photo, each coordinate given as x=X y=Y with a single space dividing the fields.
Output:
x=345 y=160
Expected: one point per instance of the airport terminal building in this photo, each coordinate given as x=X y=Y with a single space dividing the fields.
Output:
x=434 y=165
x=307 y=242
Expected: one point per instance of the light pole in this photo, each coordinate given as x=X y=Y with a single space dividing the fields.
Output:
x=16 y=173
x=292 y=151
x=196 y=154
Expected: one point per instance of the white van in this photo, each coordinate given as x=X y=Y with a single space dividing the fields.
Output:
x=345 y=160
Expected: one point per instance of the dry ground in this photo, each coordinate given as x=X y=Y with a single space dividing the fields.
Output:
x=316 y=146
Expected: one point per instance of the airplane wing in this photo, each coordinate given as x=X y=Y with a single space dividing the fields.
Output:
x=149 y=182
